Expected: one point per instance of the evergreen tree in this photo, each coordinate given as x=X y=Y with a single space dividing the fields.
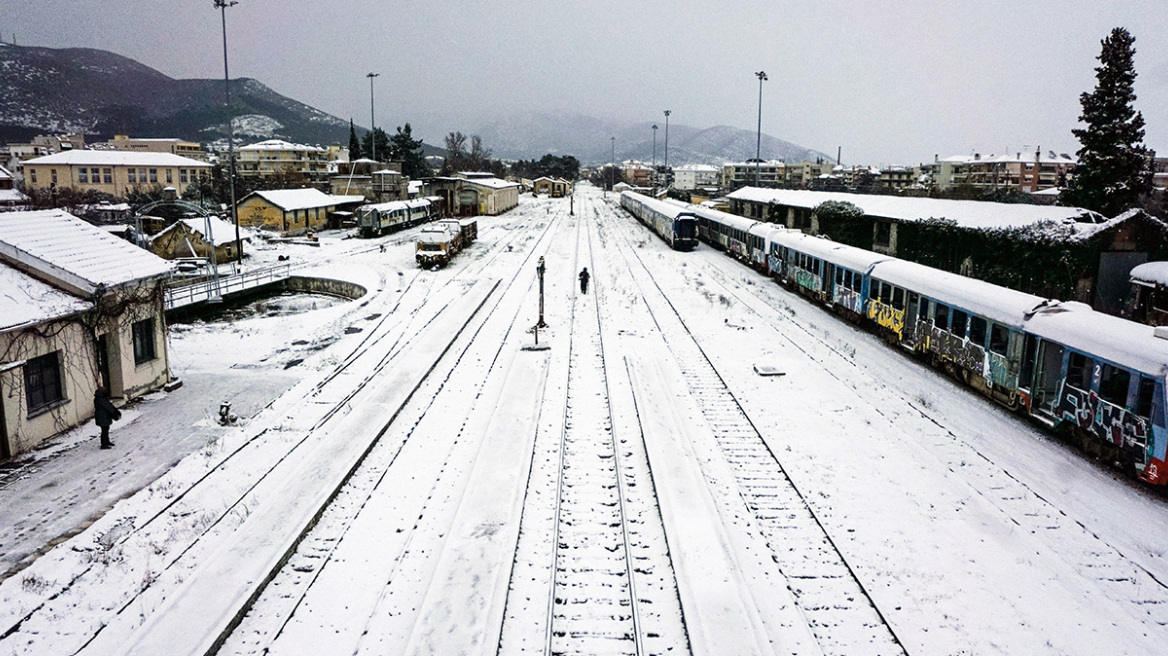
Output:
x=383 y=152
x=407 y=150
x=1115 y=168
x=354 y=144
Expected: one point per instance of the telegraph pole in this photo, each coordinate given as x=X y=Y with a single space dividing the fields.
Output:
x=222 y=6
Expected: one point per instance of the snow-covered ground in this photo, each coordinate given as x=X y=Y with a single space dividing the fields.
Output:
x=408 y=475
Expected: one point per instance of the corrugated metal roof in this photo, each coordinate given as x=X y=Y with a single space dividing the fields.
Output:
x=63 y=247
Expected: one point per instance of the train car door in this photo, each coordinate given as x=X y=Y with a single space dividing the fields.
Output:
x=828 y=281
x=1048 y=376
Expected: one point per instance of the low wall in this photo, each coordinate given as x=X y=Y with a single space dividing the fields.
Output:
x=302 y=284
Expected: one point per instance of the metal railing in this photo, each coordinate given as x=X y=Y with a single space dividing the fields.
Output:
x=180 y=293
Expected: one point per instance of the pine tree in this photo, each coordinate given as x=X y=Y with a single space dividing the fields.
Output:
x=407 y=150
x=1115 y=168
x=354 y=144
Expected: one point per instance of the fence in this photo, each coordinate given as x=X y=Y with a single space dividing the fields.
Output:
x=180 y=295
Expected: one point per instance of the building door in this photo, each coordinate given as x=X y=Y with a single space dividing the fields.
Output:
x=103 y=370
x=1113 y=280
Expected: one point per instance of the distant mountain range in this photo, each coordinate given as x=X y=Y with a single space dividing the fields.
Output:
x=47 y=90
x=99 y=93
x=589 y=139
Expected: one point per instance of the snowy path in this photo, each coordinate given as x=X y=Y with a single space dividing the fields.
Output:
x=429 y=486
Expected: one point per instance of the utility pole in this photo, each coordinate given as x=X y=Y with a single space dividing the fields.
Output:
x=372 y=127
x=222 y=6
x=762 y=77
x=667 y=113
x=612 y=169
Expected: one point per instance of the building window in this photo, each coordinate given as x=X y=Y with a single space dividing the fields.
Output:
x=169 y=173
x=83 y=175
x=42 y=382
x=883 y=233
x=107 y=176
x=144 y=341
x=53 y=176
x=182 y=175
x=133 y=173
x=32 y=175
x=154 y=175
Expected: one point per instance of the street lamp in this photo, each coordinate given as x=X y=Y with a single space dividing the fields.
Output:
x=667 y=113
x=372 y=129
x=222 y=6
x=654 y=158
x=762 y=77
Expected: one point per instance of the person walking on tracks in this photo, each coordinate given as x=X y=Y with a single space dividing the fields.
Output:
x=104 y=414
x=584 y=276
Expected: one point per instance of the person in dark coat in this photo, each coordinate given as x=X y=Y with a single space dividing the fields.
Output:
x=104 y=414
x=584 y=276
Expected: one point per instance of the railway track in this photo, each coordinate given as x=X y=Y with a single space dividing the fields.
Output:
x=1118 y=575
x=604 y=579
x=185 y=514
x=837 y=607
x=271 y=631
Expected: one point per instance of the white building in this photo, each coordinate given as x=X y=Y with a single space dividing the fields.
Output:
x=695 y=176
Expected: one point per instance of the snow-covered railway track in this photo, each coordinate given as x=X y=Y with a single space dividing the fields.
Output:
x=604 y=578
x=233 y=472
x=293 y=613
x=837 y=607
x=1117 y=574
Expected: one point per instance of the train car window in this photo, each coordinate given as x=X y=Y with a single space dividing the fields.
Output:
x=857 y=282
x=885 y=293
x=957 y=325
x=1079 y=372
x=898 y=298
x=999 y=338
x=1144 y=397
x=1113 y=384
x=839 y=277
x=941 y=317
x=977 y=330
x=923 y=313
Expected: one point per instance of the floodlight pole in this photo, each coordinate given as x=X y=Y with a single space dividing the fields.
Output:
x=667 y=113
x=762 y=77
x=612 y=171
x=654 y=158
x=372 y=127
x=222 y=6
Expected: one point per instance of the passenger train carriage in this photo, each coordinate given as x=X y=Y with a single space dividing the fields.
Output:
x=1095 y=376
x=380 y=218
x=672 y=222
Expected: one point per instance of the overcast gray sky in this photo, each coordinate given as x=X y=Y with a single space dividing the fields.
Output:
x=891 y=82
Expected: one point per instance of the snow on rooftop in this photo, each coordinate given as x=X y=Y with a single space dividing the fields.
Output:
x=222 y=232
x=1154 y=273
x=25 y=300
x=300 y=199
x=967 y=213
x=5 y=174
x=280 y=144
x=493 y=183
x=63 y=247
x=12 y=196
x=118 y=158
x=1118 y=340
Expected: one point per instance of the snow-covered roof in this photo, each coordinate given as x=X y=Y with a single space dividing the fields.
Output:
x=1006 y=306
x=280 y=144
x=12 y=196
x=493 y=183
x=971 y=214
x=1102 y=335
x=291 y=200
x=25 y=300
x=415 y=186
x=698 y=168
x=118 y=158
x=63 y=248
x=222 y=232
x=849 y=257
x=5 y=174
x=396 y=205
x=1152 y=273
